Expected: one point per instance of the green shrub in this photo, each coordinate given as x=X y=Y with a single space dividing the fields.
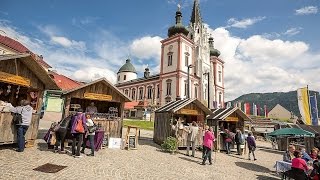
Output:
x=170 y=145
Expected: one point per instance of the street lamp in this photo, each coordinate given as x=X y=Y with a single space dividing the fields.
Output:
x=208 y=74
x=188 y=94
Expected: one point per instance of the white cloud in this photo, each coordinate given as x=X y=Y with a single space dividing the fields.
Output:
x=293 y=31
x=147 y=47
x=93 y=73
x=258 y=64
x=307 y=10
x=244 y=23
x=65 y=42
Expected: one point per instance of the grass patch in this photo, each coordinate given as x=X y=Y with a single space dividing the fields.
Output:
x=148 y=125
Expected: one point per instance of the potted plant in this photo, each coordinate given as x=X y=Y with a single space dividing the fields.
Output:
x=170 y=145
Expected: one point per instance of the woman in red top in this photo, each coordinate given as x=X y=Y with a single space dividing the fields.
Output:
x=299 y=166
x=314 y=153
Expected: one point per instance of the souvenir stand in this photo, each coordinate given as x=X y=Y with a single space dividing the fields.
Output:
x=174 y=118
x=108 y=100
x=21 y=77
x=229 y=118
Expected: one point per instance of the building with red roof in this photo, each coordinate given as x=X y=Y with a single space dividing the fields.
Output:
x=11 y=46
x=64 y=82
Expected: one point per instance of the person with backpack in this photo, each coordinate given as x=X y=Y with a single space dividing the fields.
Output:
x=89 y=135
x=239 y=140
x=78 y=129
x=25 y=113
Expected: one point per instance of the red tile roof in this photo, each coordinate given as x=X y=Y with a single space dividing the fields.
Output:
x=64 y=82
x=130 y=105
x=17 y=46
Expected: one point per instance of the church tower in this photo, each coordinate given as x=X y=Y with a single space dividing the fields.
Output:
x=199 y=35
x=177 y=64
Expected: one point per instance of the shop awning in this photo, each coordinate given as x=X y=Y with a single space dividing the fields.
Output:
x=175 y=106
x=296 y=132
x=106 y=82
x=222 y=114
x=34 y=66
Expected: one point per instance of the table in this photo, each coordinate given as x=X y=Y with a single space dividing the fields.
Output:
x=98 y=140
x=282 y=166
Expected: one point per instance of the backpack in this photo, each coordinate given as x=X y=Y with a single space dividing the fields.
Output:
x=79 y=126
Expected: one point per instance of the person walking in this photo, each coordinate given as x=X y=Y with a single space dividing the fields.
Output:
x=78 y=129
x=192 y=136
x=26 y=112
x=238 y=140
x=89 y=136
x=251 y=145
x=207 y=145
x=228 y=140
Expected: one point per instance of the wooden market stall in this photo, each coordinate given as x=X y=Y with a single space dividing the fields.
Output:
x=108 y=100
x=181 y=111
x=229 y=118
x=21 y=77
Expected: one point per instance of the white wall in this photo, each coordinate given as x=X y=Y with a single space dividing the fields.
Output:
x=130 y=76
x=166 y=50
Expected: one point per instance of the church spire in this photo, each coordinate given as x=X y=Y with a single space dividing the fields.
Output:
x=195 y=15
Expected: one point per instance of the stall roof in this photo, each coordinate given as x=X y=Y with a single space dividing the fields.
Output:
x=310 y=128
x=34 y=66
x=175 y=106
x=103 y=80
x=291 y=132
x=221 y=114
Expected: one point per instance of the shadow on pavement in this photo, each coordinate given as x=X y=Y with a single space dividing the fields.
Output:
x=252 y=167
x=271 y=151
x=190 y=160
x=41 y=133
x=262 y=177
x=147 y=142
x=237 y=156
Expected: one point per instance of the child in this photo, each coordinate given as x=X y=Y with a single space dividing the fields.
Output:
x=89 y=135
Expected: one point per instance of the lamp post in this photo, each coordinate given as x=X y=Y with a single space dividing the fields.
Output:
x=207 y=73
x=189 y=66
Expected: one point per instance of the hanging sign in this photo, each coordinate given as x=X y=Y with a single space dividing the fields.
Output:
x=14 y=79
x=94 y=96
x=230 y=118
x=189 y=111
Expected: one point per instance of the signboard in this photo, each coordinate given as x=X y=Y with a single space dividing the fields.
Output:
x=232 y=118
x=189 y=111
x=94 y=96
x=14 y=79
x=114 y=143
x=132 y=144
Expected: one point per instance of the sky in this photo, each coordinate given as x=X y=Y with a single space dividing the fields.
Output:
x=267 y=46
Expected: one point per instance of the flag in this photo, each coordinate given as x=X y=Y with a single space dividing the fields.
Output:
x=314 y=110
x=265 y=111
x=258 y=110
x=253 y=109
x=247 y=108
x=303 y=103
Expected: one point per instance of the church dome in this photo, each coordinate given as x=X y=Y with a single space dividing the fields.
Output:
x=178 y=27
x=127 y=67
x=213 y=51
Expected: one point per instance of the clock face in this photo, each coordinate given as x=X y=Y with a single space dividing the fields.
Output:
x=170 y=48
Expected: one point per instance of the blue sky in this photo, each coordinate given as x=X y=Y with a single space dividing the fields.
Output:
x=78 y=37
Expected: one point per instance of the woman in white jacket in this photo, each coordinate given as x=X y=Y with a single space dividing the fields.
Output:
x=26 y=112
x=89 y=136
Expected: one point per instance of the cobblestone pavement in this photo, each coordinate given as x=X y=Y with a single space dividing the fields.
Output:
x=147 y=162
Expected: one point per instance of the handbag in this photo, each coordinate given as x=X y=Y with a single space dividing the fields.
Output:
x=79 y=127
x=92 y=129
x=17 y=118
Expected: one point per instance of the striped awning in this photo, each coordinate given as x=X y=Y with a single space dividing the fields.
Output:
x=222 y=114
x=175 y=106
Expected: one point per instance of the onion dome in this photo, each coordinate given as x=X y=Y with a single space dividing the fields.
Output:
x=127 y=67
x=213 y=51
x=178 y=27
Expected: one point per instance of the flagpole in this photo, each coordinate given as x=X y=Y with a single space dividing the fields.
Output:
x=309 y=104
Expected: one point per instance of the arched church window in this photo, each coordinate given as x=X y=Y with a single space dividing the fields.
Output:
x=149 y=92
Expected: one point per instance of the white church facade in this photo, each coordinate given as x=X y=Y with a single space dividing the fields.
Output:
x=190 y=67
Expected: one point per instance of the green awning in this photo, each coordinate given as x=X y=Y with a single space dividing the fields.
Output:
x=291 y=132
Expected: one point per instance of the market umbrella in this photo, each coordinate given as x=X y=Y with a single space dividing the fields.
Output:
x=291 y=132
